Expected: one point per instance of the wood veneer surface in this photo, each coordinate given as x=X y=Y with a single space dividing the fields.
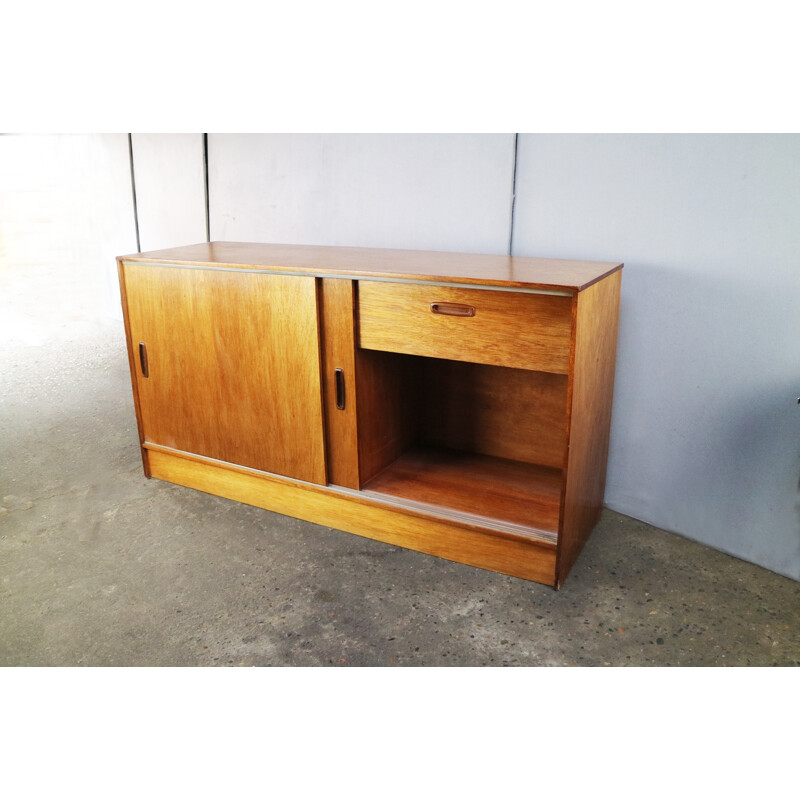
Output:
x=133 y=366
x=590 y=417
x=358 y=514
x=510 y=329
x=337 y=310
x=490 y=270
x=388 y=403
x=515 y=414
x=242 y=388
x=494 y=488
x=209 y=399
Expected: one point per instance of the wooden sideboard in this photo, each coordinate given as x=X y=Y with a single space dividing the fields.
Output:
x=454 y=404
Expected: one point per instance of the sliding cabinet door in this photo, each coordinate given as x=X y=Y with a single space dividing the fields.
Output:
x=227 y=365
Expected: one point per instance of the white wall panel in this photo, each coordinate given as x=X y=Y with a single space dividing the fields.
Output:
x=66 y=212
x=170 y=189
x=418 y=191
x=706 y=428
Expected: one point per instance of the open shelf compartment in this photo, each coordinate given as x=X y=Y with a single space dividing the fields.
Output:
x=481 y=444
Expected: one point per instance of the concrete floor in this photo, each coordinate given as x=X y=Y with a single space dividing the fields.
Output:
x=99 y=566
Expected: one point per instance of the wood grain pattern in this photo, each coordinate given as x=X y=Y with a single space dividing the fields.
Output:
x=234 y=366
x=482 y=439
x=489 y=270
x=590 y=418
x=509 y=413
x=509 y=329
x=534 y=561
x=388 y=403
x=132 y=366
x=337 y=312
x=522 y=494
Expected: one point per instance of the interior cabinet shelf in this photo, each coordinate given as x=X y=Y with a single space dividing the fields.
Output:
x=455 y=404
x=496 y=493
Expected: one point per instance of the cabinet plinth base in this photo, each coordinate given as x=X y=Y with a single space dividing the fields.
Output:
x=531 y=560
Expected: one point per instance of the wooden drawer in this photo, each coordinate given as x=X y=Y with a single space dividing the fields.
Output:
x=509 y=329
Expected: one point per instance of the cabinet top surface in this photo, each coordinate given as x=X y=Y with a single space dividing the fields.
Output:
x=366 y=262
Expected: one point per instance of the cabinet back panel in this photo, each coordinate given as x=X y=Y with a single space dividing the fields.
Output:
x=234 y=366
x=496 y=411
x=590 y=417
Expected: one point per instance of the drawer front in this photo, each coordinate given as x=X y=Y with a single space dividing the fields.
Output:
x=509 y=329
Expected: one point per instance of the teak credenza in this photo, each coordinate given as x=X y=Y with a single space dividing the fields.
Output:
x=454 y=404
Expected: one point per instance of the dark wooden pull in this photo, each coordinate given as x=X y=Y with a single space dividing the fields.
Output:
x=453 y=309
x=143 y=359
x=339 y=389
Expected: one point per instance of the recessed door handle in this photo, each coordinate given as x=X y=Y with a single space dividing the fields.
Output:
x=339 y=375
x=453 y=309
x=143 y=360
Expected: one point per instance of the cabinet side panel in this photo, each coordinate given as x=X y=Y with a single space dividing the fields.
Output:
x=388 y=405
x=234 y=366
x=337 y=298
x=132 y=366
x=590 y=419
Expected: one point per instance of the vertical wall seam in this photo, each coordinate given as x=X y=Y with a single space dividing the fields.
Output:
x=205 y=181
x=133 y=193
x=513 y=199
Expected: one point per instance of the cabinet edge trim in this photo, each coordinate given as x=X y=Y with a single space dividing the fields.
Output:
x=360 y=277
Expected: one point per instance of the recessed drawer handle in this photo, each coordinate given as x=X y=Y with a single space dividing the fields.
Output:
x=339 y=374
x=143 y=360
x=453 y=309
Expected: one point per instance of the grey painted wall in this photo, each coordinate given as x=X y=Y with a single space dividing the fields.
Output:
x=706 y=428
x=419 y=191
x=170 y=189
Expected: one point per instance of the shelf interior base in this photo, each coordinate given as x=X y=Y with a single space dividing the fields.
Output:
x=496 y=492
